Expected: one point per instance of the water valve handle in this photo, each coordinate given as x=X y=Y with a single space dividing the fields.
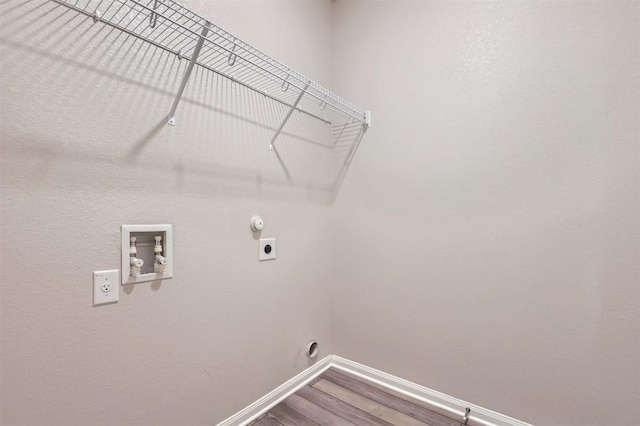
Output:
x=160 y=267
x=134 y=261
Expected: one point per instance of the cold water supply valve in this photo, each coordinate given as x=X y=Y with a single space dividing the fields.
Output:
x=161 y=263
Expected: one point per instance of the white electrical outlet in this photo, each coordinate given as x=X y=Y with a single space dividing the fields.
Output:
x=267 y=248
x=106 y=288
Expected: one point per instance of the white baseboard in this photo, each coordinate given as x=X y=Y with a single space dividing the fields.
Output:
x=438 y=401
x=277 y=395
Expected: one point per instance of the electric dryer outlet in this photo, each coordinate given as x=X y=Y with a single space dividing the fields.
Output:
x=267 y=249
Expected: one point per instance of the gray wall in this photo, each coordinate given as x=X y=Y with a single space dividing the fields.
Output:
x=85 y=148
x=488 y=233
x=484 y=244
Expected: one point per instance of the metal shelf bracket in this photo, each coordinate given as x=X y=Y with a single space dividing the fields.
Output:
x=187 y=73
x=367 y=119
x=286 y=118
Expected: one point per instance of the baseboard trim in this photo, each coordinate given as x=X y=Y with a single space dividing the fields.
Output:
x=438 y=401
x=279 y=394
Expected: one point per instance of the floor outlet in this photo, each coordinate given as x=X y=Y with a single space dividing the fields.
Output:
x=105 y=286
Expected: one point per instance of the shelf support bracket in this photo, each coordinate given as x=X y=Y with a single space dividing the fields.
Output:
x=367 y=119
x=187 y=73
x=293 y=108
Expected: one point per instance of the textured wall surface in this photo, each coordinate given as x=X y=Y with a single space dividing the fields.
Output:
x=485 y=242
x=488 y=232
x=85 y=148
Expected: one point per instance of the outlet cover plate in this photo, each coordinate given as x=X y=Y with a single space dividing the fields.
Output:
x=267 y=249
x=106 y=286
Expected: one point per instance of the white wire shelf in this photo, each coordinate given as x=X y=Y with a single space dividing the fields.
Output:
x=176 y=29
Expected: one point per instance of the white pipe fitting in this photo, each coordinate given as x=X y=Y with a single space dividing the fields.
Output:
x=312 y=349
x=132 y=246
x=257 y=224
x=157 y=249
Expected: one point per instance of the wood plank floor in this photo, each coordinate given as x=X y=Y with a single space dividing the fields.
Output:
x=337 y=399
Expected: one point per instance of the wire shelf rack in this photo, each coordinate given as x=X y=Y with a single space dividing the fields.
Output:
x=176 y=29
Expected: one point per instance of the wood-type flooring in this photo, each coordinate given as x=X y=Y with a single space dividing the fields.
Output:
x=338 y=399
